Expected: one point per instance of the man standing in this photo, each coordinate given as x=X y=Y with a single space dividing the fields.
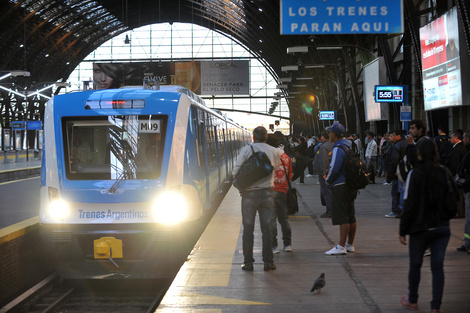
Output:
x=371 y=155
x=464 y=170
x=258 y=198
x=453 y=162
x=320 y=165
x=398 y=189
x=342 y=196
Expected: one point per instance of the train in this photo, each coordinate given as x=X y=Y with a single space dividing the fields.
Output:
x=124 y=172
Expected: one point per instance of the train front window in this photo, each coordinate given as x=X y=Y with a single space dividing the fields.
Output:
x=114 y=147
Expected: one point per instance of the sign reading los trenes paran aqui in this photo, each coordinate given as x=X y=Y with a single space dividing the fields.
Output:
x=327 y=17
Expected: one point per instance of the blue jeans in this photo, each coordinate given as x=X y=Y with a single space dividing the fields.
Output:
x=260 y=201
x=325 y=192
x=372 y=166
x=280 y=202
x=437 y=239
x=398 y=191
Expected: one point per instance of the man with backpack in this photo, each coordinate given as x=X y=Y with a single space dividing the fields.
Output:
x=444 y=146
x=343 y=196
x=258 y=197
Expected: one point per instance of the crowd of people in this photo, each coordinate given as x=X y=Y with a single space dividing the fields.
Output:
x=420 y=169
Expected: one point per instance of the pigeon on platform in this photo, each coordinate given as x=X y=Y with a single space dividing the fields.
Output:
x=319 y=283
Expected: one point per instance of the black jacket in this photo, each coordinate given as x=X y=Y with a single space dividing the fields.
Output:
x=420 y=211
x=457 y=154
x=398 y=152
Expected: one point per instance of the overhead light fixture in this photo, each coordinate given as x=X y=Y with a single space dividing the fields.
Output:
x=127 y=40
x=20 y=73
x=329 y=48
x=278 y=93
x=62 y=84
x=314 y=66
x=294 y=93
x=299 y=86
x=298 y=49
x=289 y=68
x=281 y=86
x=304 y=78
x=285 y=79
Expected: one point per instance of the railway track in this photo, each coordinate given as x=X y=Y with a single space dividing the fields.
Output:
x=79 y=296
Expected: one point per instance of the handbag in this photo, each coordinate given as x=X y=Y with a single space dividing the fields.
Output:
x=292 y=201
x=256 y=167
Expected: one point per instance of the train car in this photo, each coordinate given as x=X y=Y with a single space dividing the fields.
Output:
x=124 y=172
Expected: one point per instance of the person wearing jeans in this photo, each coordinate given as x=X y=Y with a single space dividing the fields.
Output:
x=282 y=177
x=258 y=197
x=430 y=201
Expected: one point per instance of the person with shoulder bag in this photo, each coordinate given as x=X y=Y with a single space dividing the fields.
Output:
x=282 y=178
x=258 y=197
x=430 y=202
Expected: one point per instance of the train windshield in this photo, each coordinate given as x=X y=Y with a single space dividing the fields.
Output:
x=114 y=147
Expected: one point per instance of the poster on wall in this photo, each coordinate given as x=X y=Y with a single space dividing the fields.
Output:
x=226 y=77
x=442 y=84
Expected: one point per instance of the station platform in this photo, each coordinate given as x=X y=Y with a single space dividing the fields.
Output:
x=15 y=166
x=370 y=280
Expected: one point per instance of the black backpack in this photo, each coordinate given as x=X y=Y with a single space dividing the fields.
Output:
x=355 y=171
x=256 y=167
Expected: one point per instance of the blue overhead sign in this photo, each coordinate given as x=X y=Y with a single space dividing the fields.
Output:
x=327 y=17
x=34 y=125
x=18 y=125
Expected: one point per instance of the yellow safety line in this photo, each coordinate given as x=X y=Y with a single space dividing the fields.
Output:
x=19 y=229
x=16 y=181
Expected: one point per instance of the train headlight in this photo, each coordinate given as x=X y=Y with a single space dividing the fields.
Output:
x=58 y=208
x=170 y=207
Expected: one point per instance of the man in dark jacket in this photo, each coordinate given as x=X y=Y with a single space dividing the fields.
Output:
x=458 y=151
x=464 y=172
x=398 y=188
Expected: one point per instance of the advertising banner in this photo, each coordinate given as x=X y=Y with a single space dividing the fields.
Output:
x=442 y=85
x=226 y=77
x=304 y=17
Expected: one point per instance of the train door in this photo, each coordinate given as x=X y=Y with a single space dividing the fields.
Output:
x=217 y=143
x=224 y=135
x=202 y=153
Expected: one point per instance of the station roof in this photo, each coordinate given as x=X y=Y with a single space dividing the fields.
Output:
x=50 y=38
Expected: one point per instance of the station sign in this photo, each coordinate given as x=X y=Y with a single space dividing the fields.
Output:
x=389 y=94
x=334 y=17
x=327 y=115
x=34 y=125
x=405 y=113
x=18 y=125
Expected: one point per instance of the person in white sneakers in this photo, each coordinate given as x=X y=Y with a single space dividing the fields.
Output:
x=343 y=212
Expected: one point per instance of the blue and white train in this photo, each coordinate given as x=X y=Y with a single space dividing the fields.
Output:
x=123 y=171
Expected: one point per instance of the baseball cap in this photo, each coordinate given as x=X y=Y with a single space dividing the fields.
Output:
x=336 y=128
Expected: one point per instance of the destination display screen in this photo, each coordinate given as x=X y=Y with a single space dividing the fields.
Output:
x=388 y=93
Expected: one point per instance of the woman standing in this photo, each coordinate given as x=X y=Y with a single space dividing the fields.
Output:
x=430 y=201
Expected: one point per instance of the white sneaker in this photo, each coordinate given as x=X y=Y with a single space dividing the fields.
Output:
x=336 y=250
x=287 y=248
x=349 y=248
x=308 y=175
x=275 y=250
